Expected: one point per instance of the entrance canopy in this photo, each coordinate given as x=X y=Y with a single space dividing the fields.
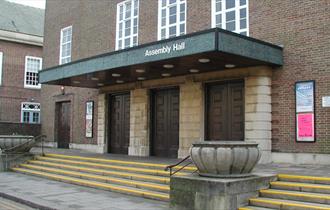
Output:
x=210 y=50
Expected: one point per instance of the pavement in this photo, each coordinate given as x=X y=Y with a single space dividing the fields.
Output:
x=47 y=194
x=12 y=205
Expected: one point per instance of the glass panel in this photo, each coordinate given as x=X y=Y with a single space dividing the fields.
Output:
x=164 y=3
x=172 y=31
x=182 y=29
x=242 y=2
x=218 y=6
x=128 y=9
x=127 y=42
x=230 y=26
x=136 y=4
x=134 y=40
x=243 y=24
x=182 y=17
x=163 y=13
x=172 y=19
x=163 y=33
x=242 y=13
x=172 y=10
x=172 y=1
x=218 y=19
x=35 y=118
x=230 y=16
x=230 y=4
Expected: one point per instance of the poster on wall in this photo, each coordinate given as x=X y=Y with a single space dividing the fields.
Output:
x=305 y=111
x=305 y=127
x=89 y=119
x=305 y=96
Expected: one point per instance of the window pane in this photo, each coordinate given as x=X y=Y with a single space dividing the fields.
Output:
x=230 y=16
x=182 y=29
x=128 y=9
x=172 y=19
x=172 y=31
x=230 y=26
x=127 y=42
x=164 y=3
x=230 y=4
x=243 y=24
x=242 y=13
x=163 y=33
x=172 y=10
x=172 y=1
x=218 y=19
x=218 y=6
x=242 y=2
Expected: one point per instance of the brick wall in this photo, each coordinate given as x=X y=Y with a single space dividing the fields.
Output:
x=12 y=91
x=7 y=128
x=303 y=29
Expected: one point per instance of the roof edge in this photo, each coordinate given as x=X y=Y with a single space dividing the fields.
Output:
x=21 y=38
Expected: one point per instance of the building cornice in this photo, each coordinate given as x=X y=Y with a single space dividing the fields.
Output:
x=21 y=38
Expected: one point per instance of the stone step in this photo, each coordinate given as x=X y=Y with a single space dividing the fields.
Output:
x=95 y=184
x=304 y=179
x=108 y=166
x=119 y=174
x=253 y=208
x=297 y=196
x=140 y=164
x=303 y=187
x=100 y=178
x=286 y=204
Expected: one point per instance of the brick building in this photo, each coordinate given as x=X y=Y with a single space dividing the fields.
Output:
x=161 y=75
x=21 y=40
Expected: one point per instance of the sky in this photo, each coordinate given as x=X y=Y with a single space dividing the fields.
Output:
x=32 y=3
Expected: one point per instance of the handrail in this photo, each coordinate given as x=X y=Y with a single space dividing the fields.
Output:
x=170 y=167
x=36 y=139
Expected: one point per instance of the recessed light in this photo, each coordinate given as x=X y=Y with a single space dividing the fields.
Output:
x=140 y=70
x=100 y=84
x=166 y=74
x=94 y=78
x=230 y=66
x=120 y=81
x=76 y=82
x=204 y=60
x=116 y=75
x=168 y=66
x=141 y=78
x=193 y=70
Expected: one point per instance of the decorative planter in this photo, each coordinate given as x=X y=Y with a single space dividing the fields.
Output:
x=225 y=158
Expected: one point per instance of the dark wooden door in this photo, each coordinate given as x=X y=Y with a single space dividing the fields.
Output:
x=225 y=111
x=119 y=123
x=63 y=124
x=165 y=123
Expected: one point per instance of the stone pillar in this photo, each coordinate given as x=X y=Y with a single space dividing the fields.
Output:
x=258 y=114
x=139 y=123
x=101 y=123
x=191 y=116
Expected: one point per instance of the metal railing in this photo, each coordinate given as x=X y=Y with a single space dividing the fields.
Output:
x=20 y=153
x=172 y=168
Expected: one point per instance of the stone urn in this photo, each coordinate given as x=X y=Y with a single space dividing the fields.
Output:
x=225 y=159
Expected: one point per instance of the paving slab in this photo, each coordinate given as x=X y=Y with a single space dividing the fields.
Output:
x=63 y=196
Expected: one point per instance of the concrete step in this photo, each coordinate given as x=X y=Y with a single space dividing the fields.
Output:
x=253 y=208
x=304 y=179
x=296 y=196
x=140 y=164
x=119 y=174
x=303 y=187
x=95 y=184
x=286 y=204
x=107 y=179
x=108 y=166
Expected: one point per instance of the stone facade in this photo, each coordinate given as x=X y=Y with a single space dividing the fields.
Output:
x=270 y=101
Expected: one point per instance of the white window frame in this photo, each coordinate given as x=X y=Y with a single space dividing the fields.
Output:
x=237 y=15
x=132 y=17
x=61 y=45
x=30 y=111
x=26 y=70
x=1 y=62
x=167 y=24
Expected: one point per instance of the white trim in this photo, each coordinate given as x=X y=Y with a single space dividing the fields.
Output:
x=1 y=62
x=301 y=158
x=21 y=38
x=237 y=13
x=167 y=24
x=61 y=44
x=88 y=147
x=25 y=71
x=132 y=17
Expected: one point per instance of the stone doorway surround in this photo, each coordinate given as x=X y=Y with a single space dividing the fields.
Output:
x=257 y=110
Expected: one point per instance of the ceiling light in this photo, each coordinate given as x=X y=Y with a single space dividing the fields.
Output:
x=204 y=60
x=76 y=82
x=116 y=75
x=140 y=70
x=168 y=66
x=166 y=74
x=230 y=66
x=193 y=70
x=94 y=78
x=100 y=84
x=141 y=78
x=120 y=81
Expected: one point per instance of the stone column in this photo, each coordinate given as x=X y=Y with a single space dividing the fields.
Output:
x=258 y=114
x=139 y=123
x=101 y=123
x=191 y=116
